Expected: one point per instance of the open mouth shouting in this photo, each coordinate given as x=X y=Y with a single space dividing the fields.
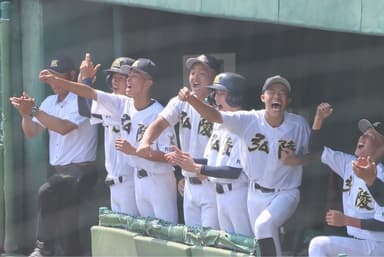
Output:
x=276 y=106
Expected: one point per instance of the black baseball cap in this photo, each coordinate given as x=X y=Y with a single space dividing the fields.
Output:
x=277 y=79
x=118 y=62
x=208 y=60
x=61 y=65
x=365 y=124
x=142 y=65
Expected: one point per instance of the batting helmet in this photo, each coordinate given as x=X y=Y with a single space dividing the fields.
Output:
x=236 y=86
x=116 y=67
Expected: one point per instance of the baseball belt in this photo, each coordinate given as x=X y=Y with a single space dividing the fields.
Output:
x=194 y=180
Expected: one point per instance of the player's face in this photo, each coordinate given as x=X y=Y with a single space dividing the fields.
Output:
x=276 y=99
x=119 y=83
x=220 y=100
x=58 y=90
x=199 y=78
x=137 y=84
x=370 y=144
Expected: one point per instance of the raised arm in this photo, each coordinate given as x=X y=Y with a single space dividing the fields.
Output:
x=323 y=111
x=86 y=76
x=77 y=88
x=206 y=111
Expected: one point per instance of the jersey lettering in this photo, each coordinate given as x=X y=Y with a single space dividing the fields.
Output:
x=363 y=199
x=205 y=127
x=126 y=123
x=185 y=122
x=283 y=144
x=215 y=143
x=258 y=143
x=347 y=184
x=115 y=129
x=228 y=145
x=140 y=132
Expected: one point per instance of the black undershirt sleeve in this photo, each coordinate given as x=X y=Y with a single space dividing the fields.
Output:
x=201 y=160
x=372 y=224
x=377 y=191
x=221 y=171
x=316 y=143
x=84 y=104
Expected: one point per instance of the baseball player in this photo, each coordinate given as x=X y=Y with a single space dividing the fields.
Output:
x=268 y=140
x=120 y=175
x=155 y=185
x=222 y=158
x=199 y=194
x=71 y=173
x=361 y=215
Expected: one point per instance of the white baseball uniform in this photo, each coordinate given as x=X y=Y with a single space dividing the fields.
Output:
x=273 y=194
x=120 y=174
x=231 y=195
x=194 y=131
x=155 y=183
x=357 y=203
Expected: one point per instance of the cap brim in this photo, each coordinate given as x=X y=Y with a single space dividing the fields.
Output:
x=277 y=81
x=117 y=70
x=191 y=61
x=364 y=125
x=56 y=72
x=140 y=71
x=217 y=87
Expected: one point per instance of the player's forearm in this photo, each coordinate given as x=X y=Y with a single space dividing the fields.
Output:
x=205 y=110
x=153 y=131
x=55 y=124
x=79 y=89
x=156 y=156
x=309 y=158
x=353 y=222
x=30 y=128
x=317 y=123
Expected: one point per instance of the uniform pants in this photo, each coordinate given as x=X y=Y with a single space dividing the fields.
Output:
x=334 y=245
x=59 y=202
x=200 y=206
x=123 y=198
x=269 y=211
x=233 y=212
x=156 y=196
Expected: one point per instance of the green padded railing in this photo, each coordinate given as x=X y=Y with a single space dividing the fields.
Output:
x=189 y=235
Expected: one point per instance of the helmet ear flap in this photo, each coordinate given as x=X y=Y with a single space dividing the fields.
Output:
x=235 y=100
x=211 y=97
